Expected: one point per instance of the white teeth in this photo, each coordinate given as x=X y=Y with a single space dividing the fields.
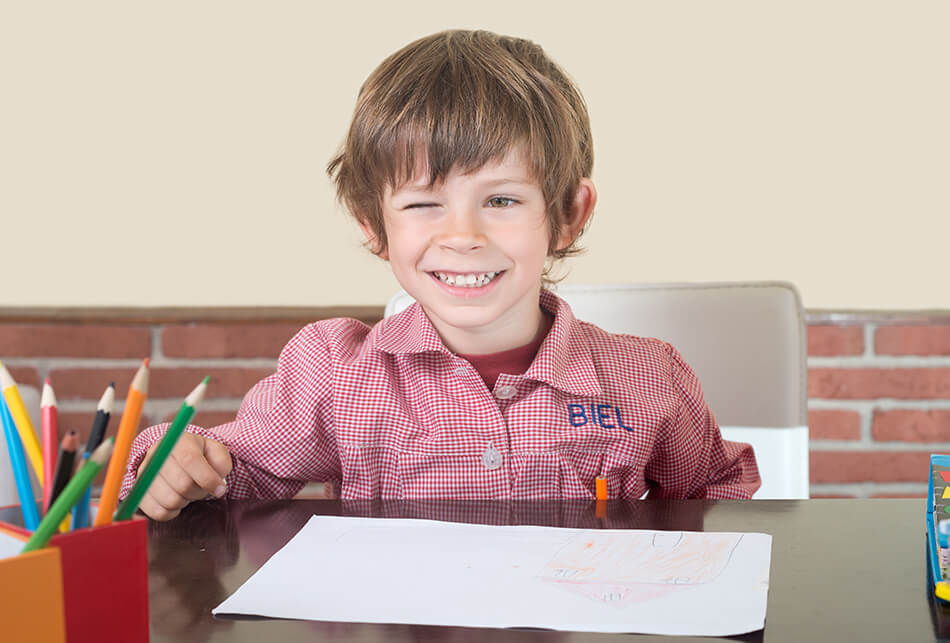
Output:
x=470 y=280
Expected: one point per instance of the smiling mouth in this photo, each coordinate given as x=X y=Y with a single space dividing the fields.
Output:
x=467 y=280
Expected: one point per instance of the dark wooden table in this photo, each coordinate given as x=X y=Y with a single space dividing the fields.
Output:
x=842 y=570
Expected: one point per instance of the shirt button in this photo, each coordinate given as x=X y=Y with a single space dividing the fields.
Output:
x=505 y=392
x=492 y=458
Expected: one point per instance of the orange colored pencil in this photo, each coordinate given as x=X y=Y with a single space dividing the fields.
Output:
x=50 y=435
x=128 y=427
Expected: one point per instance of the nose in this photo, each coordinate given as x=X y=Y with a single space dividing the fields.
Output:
x=462 y=231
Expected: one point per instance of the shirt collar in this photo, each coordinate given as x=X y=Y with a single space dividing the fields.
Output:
x=409 y=331
x=564 y=360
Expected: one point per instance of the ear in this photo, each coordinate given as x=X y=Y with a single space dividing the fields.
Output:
x=372 y=240
x=585 y=198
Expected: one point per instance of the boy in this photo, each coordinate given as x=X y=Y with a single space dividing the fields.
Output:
x=467 y=165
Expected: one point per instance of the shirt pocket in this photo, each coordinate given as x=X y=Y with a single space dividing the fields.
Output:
x=573 y=475
x=551 y=475
x=426 y=476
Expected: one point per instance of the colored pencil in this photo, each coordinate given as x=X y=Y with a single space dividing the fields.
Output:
x=128 y=427
x=31 y=445
x=64 y=464
x=600 y=485
x=164 y=448
x=21 y=475
x=96 y=433
x=49 y=419
x=69 y=497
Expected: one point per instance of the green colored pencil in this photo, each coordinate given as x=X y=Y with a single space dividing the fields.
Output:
x=70 y=496
x=187 y=410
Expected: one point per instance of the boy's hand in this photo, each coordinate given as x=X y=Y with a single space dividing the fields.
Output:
x=194 y=470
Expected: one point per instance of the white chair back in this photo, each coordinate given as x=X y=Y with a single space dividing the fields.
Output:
x=746 y=342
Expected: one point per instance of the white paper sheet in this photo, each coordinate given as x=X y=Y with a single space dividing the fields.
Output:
x=438 y=573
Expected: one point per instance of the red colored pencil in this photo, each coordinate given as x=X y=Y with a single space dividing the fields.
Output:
x=50 y=430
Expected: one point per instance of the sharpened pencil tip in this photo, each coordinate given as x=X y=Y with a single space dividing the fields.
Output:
x=194 y=398
x=147 y=361
x=47 y=397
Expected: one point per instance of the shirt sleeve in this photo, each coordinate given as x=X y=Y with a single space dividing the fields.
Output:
x=282 y=436
x=691 y=460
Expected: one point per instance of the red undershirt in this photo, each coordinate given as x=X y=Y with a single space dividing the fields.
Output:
x=514 y=361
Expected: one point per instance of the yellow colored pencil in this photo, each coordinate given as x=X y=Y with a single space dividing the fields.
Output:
x=131 y=416
x=31 y=443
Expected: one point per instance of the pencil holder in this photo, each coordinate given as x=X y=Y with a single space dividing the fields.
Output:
x=31 y=598
x=105 y=582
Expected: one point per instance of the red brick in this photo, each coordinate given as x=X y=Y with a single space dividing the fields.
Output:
x=25 y=376
x=911 y=425
x=834 y=425
x=227 y=340
x=872 y=383
x=88 y=383
x=225 y=382
x=827 y=340
x=74 y=340
x=912 y=340
x=869 y=466
x=206 y=418
x=81 y=422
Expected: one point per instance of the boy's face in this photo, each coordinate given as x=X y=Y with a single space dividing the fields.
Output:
x=471 y=250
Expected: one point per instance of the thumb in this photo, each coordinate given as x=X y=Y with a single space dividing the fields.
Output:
x=218 y=457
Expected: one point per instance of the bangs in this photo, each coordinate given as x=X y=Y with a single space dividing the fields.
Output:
x=456 y=115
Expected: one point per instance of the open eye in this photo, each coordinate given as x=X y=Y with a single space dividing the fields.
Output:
x=500 y=202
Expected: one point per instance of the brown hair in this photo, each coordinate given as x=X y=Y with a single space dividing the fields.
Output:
x=464 y=98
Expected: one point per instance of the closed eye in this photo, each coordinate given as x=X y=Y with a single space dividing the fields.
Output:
x=420 y=205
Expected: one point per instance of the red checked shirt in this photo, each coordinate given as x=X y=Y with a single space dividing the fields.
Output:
x=390 y=412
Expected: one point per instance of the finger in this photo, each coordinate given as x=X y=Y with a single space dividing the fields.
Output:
x=190 y=456
x=154 y=510
x=218 y=457
x=165 y=495
x=180 y=481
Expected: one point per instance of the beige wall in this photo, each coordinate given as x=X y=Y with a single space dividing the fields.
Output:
x=172 y=153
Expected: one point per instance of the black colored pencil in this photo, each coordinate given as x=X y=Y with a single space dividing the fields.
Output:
x=101 y=421
x=64 y=464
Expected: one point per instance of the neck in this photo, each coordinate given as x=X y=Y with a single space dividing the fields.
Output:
x=503 y=336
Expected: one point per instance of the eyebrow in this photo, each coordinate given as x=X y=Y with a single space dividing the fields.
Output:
x=488 y=184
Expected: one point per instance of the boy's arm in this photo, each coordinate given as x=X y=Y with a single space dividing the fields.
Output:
x=282 y=436
x=692 y=460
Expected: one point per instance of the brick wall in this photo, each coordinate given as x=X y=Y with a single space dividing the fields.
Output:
x=878 y=401
x=878 y=384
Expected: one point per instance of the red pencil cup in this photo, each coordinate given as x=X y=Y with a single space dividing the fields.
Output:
x=105 y=582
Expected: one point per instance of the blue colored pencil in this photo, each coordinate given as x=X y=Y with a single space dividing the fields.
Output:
x=31 y=517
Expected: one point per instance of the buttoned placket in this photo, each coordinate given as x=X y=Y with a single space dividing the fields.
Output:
x=506 y=395
x=493 y=458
